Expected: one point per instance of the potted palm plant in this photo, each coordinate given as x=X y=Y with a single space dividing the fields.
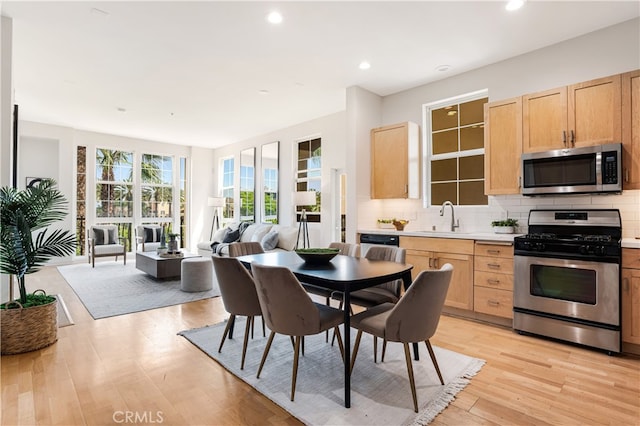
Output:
x=30 y=322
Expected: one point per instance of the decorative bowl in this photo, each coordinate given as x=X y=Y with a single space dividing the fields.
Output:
x=317 y=256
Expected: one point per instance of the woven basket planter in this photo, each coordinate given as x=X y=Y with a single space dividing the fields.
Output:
x=28 y=329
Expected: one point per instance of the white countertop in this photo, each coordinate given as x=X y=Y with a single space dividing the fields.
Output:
x=631 y=242
x=479 y=236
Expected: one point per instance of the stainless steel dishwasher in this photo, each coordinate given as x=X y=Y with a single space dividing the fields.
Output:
x=368 y=240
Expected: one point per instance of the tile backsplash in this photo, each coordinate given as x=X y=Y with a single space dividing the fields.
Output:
x=479 y=218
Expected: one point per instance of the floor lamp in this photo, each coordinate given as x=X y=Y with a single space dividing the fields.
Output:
x=304 y=198
x=215 y=202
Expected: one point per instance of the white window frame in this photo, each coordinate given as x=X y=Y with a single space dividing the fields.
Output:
x=427 y=144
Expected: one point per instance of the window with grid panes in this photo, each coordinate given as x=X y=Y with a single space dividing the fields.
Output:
x=227 y=178
x=454 y=135
x=309 y=175
x=156 y=175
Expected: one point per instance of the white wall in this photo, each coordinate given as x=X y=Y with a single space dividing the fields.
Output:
x=606 y=52
x=332 y=130
x=6 y=107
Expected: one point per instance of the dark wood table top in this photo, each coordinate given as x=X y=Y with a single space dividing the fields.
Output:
x=343 y=273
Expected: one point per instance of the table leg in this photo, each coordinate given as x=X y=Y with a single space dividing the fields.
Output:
x=347 y=348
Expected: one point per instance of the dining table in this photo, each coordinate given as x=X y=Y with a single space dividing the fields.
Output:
x=343 y=273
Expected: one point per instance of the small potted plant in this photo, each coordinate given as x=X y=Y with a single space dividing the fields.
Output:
x=504 y=226
x=385 y=224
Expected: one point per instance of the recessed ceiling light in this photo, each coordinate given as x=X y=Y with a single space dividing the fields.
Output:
x=443 y=68
x=364 y=65
x=120 y=109
x=274 y=17
x=263 y=92
x=514 y=4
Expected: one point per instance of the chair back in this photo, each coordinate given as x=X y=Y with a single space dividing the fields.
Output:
x=240 y=249
x=237 y=288
x=392 y=254
x=416 y=315
x=103 y=234
x=286 y=306
x=347 y=249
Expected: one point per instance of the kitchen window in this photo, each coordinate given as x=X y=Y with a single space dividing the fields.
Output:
x=454 y=150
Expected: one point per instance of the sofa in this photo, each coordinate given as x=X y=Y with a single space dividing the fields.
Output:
x=271 y=238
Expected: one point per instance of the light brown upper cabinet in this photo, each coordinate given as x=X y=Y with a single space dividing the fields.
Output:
x=582 y=114
x=395 y=161
x=502 y=146
x=631 y=130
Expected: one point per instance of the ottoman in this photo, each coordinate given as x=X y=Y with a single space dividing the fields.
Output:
x=197 y=274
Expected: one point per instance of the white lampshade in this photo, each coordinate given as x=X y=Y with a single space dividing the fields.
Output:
x=216 y=202
x=304 y=198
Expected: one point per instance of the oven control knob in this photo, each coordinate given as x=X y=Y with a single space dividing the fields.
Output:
x=540 y=247
x=584 y=249
x=599 y=250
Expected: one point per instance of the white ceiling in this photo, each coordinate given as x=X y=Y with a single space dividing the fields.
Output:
x=191 y=72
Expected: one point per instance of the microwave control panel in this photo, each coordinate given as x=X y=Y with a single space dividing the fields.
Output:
x=610 y=167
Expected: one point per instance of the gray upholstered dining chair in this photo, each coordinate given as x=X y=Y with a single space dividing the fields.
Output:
x=346 y=249
x=238 y=292
x=382 y=293
x=413 y=319
x=243 y=248
x=288 y=310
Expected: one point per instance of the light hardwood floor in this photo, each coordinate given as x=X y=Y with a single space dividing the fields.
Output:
x=100 y=370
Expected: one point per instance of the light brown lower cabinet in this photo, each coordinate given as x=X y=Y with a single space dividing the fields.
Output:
x=426 y=253
x=493 y=279
x=631 y=296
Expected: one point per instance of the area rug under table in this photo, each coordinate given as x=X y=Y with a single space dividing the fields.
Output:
x=112 y=289
x=380 y=393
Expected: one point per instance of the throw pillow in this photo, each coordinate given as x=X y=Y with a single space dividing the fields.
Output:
x=270 y=240
x=232 y=236
x=113 y=236
x=260 y=232
x=98 y=236
x=288 y=237
x=218 y=236
x=152 y=234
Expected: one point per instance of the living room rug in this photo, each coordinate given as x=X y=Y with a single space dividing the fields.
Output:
x=112 y=289
x=64 y=317
x=380 y=393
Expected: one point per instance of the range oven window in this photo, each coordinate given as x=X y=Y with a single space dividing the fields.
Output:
x=572 y=284
x=561 y=171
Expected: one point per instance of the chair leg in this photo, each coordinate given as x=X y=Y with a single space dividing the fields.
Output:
x=264 y=332
x=433 y=359
x=246 y=340
x=375 y=349
x=412 y=382
x=252 y=318
x=226 y=332
x=336 y=330
x=333 y=339
x=265 y=353
x=384 y=349
x=294 y=373
x=356 y=345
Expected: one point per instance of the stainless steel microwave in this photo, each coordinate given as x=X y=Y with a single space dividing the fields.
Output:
x=585 y=170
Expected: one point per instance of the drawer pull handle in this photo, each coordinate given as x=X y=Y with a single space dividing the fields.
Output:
x=626 y=285
x=493 y=302
x=490 y=281
x=493 y=265
x=493 y=251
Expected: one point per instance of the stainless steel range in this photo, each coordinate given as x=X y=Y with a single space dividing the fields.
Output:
x=567 y=277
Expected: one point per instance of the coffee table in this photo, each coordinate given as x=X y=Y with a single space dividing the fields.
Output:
x=160 y=267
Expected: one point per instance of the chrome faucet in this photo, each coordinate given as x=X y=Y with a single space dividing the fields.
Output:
x=454 y=223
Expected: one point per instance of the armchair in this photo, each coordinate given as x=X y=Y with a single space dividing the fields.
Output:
x=148 y=237
x=103 y=241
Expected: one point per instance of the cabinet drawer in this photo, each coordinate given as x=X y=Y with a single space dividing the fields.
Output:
x=447 y=245
x=493 y=280
x=495 y=250
x=631 y=258
x=493 y=302
x=494 y=264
